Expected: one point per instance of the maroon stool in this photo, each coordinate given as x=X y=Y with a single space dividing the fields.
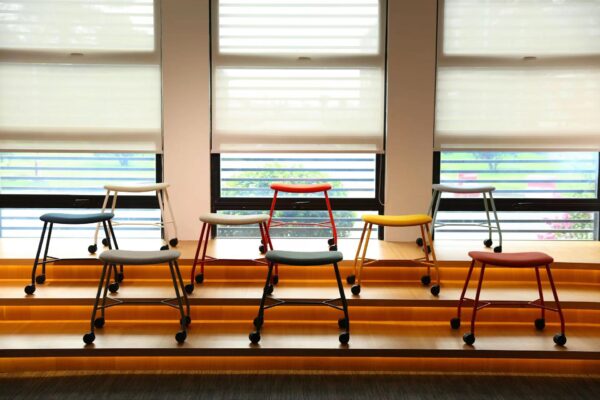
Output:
x=511 y=260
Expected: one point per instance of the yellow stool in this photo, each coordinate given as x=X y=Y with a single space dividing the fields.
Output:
x=423 y=221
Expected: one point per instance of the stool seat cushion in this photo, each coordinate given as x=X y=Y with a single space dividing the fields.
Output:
x=76 y=219
x=463 y=189
x=304 y=257
x=137 y=187
x=528 y=259
x=397 y=220
x=136 y=257
x=300 y=188
x=226 y=219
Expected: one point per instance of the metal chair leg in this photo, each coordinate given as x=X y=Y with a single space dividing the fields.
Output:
x=182 y=334
x=557 y=339
x=30 y=289
x=345 y=336
x=259 y=320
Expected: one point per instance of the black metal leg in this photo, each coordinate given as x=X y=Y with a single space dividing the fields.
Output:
x=97 y=300
x=46 y=249
x=266 y=291
x=182 y=286
x=176 y=286
x=342 y=296
x=106 y=286
x=119 y=277
x=37 y=256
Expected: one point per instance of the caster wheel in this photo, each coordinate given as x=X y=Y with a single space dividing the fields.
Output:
x=113 y=287
x=343 y=323
x=189 y=289
x=469 y=338
x=29 y=289
x=258 y=322
x=165 y=247
x=455 y=323
x=186 y=319
x=560 y=339
x=89 y=338
x=262 y=249
x=355 y=290
x=435 y=290
x=344 y=338
x=105 y=242
x=351 y=279
x=425 y=279
x=174 y=242
x=254 y=337
x=330 y=241
x=199 y=278
x=540 y=324
x=269 y=289
x=119 y=278
x=333 y=247
x=99 y=323
x=488 y=242
x=180 y=336
x=92 y=249
x=40 y=279
x=275 y=279
x=498 y=249
x=419 y=242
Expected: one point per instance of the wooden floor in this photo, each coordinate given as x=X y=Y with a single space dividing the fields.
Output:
x=394 y=321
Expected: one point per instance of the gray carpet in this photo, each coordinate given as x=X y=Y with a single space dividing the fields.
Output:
x=313 y=386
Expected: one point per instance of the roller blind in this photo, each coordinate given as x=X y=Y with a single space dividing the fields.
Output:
x=80 y=75
x=298 y=76
x=519 y=74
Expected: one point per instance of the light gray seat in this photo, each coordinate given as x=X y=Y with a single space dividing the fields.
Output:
x=304 y=258
x=134 y=257
x=227 y=219
x=76 y=219
x=463 y=189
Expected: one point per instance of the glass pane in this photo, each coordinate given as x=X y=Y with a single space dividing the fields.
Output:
x=249 y=175
x=72 y=173
x=555 y=175
x=77 y=25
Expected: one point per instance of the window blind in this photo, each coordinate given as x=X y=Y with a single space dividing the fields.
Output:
x=298 y=76
x=519 y=74
x=80 y=75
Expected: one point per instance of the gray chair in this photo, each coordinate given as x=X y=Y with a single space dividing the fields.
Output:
x=128 y=257
x=302 y=258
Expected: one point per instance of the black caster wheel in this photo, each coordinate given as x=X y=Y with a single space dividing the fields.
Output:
x=113 y=287
x=30 y=289
x=189 y=289
x=351 y=279
x=560 y=339
x=498 y=249
x=455 y=323
x=425 y=279
x=435 y=290
x=186 y=319
x=330 y=241
x=105 y=242
x=119 y=278
x=344 y=338
x=254 y=337
x=275 y=279
x=333 y=247
x=174 y=242
x=258 y=322
x=343 y=323
x=488 y=242
x=89 y=338
x=92 y=248
x=199 y=278
x=165 y=247
x=469 y=338
x=262 y=249
x=99 y=323
x=269 y=289
x=40 y=279
x=419 y=242
x=355 y=290
x=540 y=324
x=180 y=336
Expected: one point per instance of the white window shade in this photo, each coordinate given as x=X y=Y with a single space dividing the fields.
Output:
x=76 y=25
x=298 y=76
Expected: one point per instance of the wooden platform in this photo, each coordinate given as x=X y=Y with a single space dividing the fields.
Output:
x=396 y=324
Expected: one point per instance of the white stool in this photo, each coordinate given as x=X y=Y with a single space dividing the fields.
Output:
x=163 y=202
x=488 y=202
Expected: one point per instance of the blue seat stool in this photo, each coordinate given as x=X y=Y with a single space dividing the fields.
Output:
x=111 y=258
x=69 y=219
x=302 y=258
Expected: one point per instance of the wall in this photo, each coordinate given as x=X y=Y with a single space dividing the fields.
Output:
x=411 y=83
